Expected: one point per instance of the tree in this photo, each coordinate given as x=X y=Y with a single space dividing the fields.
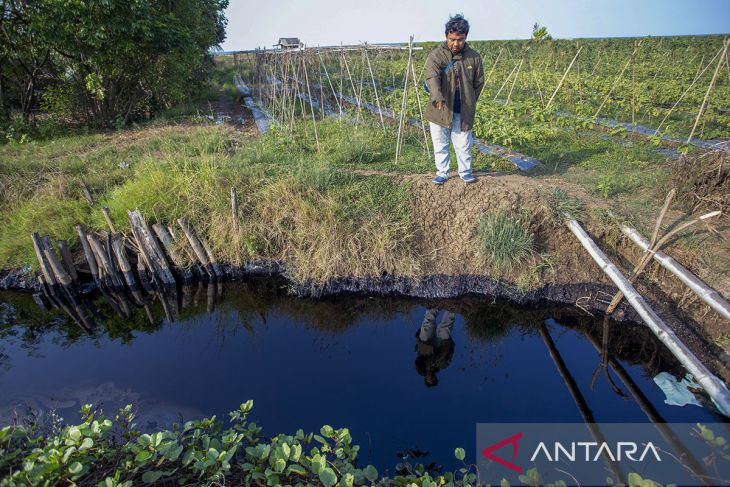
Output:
x=109 y=61
x=540 y=33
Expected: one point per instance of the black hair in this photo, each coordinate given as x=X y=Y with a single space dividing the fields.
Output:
x=457 y=25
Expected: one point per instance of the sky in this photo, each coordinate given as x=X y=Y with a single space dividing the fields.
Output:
x=329 y=22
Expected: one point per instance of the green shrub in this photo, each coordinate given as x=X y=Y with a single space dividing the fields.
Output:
x=115 y=454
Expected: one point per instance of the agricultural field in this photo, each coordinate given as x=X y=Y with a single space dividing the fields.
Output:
x=305 y=177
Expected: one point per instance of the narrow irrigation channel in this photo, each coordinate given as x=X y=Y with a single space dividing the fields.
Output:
x=410 y=378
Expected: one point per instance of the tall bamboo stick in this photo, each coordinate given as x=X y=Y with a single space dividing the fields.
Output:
x=557 y=88
x=714 y=386
x=615 y=82
x=375 y=87
x=405 y=99
x=311 y=106
x=709 y=90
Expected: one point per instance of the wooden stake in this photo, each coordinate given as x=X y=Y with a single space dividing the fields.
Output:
x=42 y=260
x=420 y=112
x=196 y=246
x=87 y=193
x=405 y=99
x=615 y=82
x=329 y=80
x=68 y=259
x=697 y=77
x=726 y=42
x=489 y=77
x=648 y=256
x=88 y=253
x=122 y=261
x=311 y=107
x=102 y=258
x=354 y=91
x=377 y=99
x=509 y=97
x=108 y=218
x=150 y=248
x=550 y=101
x=504 y=83
x=234 y=209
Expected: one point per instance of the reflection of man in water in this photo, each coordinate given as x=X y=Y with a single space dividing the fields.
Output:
x=434 y=345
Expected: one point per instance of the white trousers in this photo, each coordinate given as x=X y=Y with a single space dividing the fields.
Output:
x=428 y=326
x=462 y=146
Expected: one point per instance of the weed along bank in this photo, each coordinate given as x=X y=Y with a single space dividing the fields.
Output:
x=257 y=265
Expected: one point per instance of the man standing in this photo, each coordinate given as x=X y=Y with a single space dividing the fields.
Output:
x=455 y=78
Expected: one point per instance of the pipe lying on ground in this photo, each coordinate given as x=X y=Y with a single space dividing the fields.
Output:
x=700 y=287
x=714 y=387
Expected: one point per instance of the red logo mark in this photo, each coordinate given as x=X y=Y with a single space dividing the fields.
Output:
x=487 y=452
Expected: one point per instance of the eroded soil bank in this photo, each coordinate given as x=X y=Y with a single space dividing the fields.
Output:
x=558 y=271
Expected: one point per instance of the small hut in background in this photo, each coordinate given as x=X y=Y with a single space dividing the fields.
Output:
x=289 y=43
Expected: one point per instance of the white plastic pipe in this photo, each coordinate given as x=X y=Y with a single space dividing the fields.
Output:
x=700 y=287
x=714 y=387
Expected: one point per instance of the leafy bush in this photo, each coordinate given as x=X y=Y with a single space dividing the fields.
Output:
x=106 y=453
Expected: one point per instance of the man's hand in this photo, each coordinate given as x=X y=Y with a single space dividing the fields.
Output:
x=440 y=105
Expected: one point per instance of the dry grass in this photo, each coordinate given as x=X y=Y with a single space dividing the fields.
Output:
x=297 y=209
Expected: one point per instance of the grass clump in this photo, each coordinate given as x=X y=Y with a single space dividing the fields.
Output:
x=560 y=203
x=505 y=241
x=48 y=215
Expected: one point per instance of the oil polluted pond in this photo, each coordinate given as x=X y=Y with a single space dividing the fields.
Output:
x=409 y=378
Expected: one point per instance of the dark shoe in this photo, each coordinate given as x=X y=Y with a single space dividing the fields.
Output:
x=439 y=180
x=469 y=178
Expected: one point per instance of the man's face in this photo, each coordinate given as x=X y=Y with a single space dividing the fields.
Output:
x=455 y=42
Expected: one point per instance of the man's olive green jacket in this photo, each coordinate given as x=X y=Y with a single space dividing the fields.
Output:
x=442 y=86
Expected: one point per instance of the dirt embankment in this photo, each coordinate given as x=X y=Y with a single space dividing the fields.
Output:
x=446 y=218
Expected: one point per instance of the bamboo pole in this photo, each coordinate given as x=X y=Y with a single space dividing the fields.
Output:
x=311 y=107
x=68 y=260
x=489 y=77
x=62 y=276
x=211 y=257
x=322 y=112
x=197 y=247
x=108 y=218
x=557 y=88
x=709 y=90
x=145 y=237
x=615 y=82
x=122 y=261
x=377 y=99
x=711 y=384
x=580 y=401
x=697 y=77
x=504 y=83
x=87 y=193
x=697 y=285
x=329 y=80
x=404 y=102
x=514 y=81
x=360 y=81
x=420 y=112
x=103 y=259
x=88 y=253
x=42 y=260
x=234 y=210
x=354 y=91
x=647 y=257
x=653 y=415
